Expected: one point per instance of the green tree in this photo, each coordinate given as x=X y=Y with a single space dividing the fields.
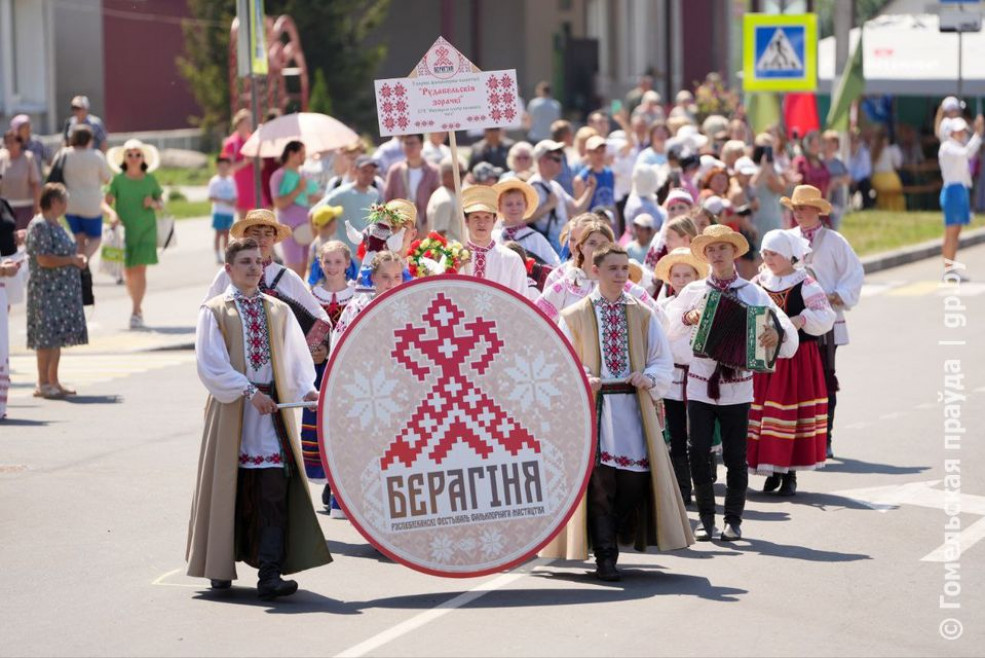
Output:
x=205 y=62
x=319 y=100
x=333 y=35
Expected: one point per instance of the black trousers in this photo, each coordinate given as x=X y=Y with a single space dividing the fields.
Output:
x=261 y=503
x=831 y=383
x=864 y=187
x=676 y=414
x=614 y=497
x=734 y=422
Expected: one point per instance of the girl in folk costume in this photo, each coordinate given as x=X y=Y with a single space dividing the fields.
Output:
x=677 y=204
x=516 y=202
x=789 y=415
x=333 y=293
x=833 y=264
x=489 y=260
x=578 y=282
x=251 y=500
x=632 y=488
x=570 y=234
x=324 y=222
x=678 y=269
x=278 y=281
x=680 y=232
x=716 y=392
x=386 y=273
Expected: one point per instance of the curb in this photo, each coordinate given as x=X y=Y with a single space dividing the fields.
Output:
x=929 y=249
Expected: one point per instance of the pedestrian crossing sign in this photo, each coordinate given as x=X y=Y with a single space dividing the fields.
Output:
x=779 y=52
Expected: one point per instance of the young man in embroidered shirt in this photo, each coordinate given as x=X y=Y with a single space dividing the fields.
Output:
x=716 y=392
x=627 y=358
x=833 y=264
x=276 y=280
x=251 y=501
x=489 y=260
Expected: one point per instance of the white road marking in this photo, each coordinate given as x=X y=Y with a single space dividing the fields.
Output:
x=427 y=617
x=923 y=494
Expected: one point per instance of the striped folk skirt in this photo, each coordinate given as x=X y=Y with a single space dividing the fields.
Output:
x=788 y=421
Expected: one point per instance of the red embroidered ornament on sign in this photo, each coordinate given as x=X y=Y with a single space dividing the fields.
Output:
x=458 y=433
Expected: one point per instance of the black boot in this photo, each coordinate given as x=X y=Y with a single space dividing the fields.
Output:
x=772 y=482
x=682 y=470
x=789 y=486
x=215 y=583
x=326 y=497
x=271 y=555
x=606 y=549
x=704 y=496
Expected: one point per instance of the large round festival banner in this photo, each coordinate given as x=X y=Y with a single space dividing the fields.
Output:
x=456 y=426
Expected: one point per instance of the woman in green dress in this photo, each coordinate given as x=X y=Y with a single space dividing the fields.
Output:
x=135 y=195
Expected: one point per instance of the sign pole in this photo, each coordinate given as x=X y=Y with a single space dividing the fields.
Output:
x=458 y=184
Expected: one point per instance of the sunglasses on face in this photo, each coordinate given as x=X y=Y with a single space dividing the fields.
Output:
x=135 y=156
x=554 y=158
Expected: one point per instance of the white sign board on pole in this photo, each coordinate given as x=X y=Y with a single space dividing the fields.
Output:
x=446 y=92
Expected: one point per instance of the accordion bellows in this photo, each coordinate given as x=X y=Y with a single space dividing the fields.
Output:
x=729 y=332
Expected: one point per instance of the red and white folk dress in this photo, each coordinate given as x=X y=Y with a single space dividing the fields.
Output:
x=789 y=416
x=334 y=304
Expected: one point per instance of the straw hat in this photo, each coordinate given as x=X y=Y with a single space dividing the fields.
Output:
x=529 y=193
x=406 y=209
x=807 y=195
x=679 y=256
x=259 y=217
x=115 y=156
x=718 y=233
x=479 y=198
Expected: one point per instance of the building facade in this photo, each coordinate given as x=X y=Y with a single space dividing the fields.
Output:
x=119 y=53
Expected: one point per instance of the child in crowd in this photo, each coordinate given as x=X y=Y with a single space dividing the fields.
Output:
x=222 y=194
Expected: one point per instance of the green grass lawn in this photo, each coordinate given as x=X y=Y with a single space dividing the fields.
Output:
x=184 y=209
x=168 y=176
x=874 y=231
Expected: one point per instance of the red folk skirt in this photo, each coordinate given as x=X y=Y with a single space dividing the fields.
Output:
x=788 y=422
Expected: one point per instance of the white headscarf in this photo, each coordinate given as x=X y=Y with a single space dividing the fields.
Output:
x=786 y=244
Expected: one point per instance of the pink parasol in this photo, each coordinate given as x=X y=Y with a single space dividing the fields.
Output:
x=319 y=132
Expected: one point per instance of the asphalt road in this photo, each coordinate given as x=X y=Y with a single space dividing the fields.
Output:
x=95 y=494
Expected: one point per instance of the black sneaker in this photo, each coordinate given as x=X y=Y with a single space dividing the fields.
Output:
x=731 y=532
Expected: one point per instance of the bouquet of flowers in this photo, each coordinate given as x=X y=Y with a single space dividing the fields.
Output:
x=435 y=255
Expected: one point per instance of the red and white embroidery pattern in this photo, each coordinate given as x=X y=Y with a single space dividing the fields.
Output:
x=257 y=335
x=455 y=409
x=256 y=460
x=624 y=462
x=614 y=335
x=479 y=261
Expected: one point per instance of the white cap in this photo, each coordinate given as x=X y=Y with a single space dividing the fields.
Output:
x=950 y=104
x=546 y=146
x=716 y=205
x=644 y=219
x=746 y=166
x=594 y=142
x=709 y=162
x=690 y=134
x=80 y=101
